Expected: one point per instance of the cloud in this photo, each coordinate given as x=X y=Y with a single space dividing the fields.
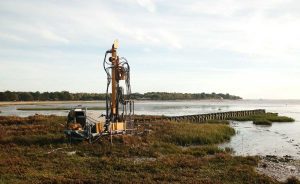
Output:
x=148 y=4
x=11 y=37
x=200 y=38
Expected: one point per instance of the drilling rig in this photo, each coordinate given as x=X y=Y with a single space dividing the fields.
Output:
x=119 y=106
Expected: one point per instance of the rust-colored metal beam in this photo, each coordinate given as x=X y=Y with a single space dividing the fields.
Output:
x=114 y=72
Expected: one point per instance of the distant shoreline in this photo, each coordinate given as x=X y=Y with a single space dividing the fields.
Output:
x=139 y=100
x=14 y=96
x=100 y=101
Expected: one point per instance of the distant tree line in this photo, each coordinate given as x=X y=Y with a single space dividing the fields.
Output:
x=183 y=96
x=67 y=96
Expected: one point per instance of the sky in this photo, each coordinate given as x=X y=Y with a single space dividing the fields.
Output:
x=245 y=48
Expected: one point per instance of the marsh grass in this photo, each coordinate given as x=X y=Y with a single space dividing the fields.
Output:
x=264 y=119
x=217 y=122
x=28 y=140
x=33 y=120
x=262 y=122
x=33 y=150
x=185 y=134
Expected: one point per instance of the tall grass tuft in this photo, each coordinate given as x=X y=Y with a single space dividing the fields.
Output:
x=185 y=134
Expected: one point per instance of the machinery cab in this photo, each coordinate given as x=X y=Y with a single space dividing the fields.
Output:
x=77 y=124
x=81 y=126
x=77 y=118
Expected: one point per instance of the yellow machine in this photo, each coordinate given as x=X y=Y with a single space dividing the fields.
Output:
x=119 y=107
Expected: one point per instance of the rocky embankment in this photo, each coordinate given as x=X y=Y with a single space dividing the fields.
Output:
x=279 y=168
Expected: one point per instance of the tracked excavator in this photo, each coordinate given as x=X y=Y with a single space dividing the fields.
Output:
x=118 y=117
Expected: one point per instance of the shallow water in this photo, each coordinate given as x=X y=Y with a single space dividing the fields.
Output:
x=279 y=139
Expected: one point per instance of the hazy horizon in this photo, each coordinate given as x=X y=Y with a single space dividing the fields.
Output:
x=266 y=99
x=249 y=49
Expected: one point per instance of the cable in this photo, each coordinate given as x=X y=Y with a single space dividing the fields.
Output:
x=106 y=69
x=121 y=97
